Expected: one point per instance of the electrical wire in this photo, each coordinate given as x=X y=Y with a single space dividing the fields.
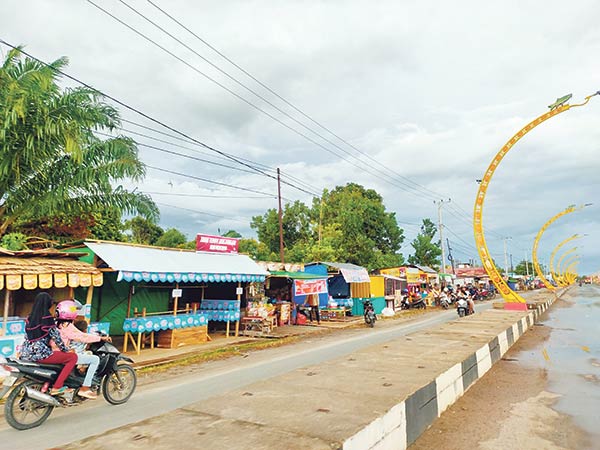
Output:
x=282 y=98
x=408 y=187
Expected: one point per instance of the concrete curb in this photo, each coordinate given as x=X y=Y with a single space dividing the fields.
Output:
x=404 y=422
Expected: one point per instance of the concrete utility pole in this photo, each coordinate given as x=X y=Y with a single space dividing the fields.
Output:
x=440 y=227
x=506 y=257
x=280 y=217
x=526 y=265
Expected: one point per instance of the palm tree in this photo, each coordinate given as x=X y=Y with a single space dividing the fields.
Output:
x=53 y=161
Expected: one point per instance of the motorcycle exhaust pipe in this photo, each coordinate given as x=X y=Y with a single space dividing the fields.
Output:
x=41 y=397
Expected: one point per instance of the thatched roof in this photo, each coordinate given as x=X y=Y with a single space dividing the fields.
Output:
x=19 y=265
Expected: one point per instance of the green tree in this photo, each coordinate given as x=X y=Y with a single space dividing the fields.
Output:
x=426 y=253
x=257 y=250
x=143 y=231
x=232 y=234
x=53 y=161
x=171 y=238
x=296 y=220
x=522 y=269
x=14 y=241
x=368 y=234
x=107 y=225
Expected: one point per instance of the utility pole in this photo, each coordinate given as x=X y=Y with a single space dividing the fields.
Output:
x=450 y=257
x=440 y=227
x=280 y=217
x=506 y=257
x=526 y=265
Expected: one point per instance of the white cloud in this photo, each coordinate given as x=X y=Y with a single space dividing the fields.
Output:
x=430 y=89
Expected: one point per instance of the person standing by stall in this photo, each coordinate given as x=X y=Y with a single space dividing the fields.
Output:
x=312 y=300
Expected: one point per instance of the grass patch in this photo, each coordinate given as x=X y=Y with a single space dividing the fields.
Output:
x=218 y=353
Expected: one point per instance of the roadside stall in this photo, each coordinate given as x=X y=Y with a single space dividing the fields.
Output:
x=348 y=284
x=389 y=287
x=24 y=274
x=171 y=297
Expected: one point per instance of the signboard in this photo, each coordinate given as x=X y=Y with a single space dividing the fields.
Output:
x=176 y=293
x=306 y=287
x=216 y=244
x=355 y=275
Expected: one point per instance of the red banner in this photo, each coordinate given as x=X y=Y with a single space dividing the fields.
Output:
x=306 y=287
x=216 y=244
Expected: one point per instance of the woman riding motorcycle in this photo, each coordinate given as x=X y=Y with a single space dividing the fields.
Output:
x=44 y=344
x=66 y=313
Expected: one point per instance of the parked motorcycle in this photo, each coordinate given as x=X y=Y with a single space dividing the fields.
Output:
x=369 y=314
x=29 y=404
x=417 y=304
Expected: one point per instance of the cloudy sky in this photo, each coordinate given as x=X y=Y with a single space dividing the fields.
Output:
x=422 y=94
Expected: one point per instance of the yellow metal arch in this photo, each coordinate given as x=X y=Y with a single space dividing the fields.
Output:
x=536 y=264
x=561 y=270
x=484 y=254
x=570 y=275
x=556 y=249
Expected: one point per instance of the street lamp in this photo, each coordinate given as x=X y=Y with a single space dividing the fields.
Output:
x=512 y=299
x=570 y=209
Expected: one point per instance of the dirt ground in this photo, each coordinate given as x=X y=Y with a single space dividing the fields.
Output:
x=509 y=408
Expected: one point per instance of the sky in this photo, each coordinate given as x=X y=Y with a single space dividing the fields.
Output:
x=423 y=94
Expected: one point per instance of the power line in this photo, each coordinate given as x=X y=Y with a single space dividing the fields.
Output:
x=403 y=185
x=205 y=180
x=146 y=116
x=201 y=212
x=181 y=194
x=280 y=97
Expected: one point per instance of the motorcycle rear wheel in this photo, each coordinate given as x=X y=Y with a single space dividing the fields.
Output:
x=118 y=386
x=18 y=406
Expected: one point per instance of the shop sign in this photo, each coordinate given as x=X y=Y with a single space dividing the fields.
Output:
x=356 y=275
x=216 y=244
x=306 y=287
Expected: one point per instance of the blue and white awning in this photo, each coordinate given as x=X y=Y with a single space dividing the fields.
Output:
x=164 y=277
x=160 y=265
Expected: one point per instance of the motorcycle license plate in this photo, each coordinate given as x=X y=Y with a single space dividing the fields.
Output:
x=9 y=381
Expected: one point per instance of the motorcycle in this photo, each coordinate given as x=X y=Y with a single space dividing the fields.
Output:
x=443 y=301
x=369 y=314
x=29 y=404
x=417 y=304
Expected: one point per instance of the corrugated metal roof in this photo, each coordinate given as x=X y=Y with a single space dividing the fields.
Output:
x=296 y=275
x=148 y=261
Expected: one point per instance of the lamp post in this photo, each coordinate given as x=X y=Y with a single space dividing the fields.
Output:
x=512 y=299
x=555 y=251
x=559 y=269
x=570 y=209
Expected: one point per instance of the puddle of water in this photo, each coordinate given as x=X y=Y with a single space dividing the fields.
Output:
x=573 y=357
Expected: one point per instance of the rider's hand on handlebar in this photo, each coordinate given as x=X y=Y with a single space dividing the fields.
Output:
x=106 y=338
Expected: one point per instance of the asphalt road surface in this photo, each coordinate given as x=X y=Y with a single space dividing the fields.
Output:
x=215 y=378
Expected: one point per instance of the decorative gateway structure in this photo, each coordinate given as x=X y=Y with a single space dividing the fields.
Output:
x=23 y=274
x=169 y=297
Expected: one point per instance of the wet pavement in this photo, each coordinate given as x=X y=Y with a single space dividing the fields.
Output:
x=571 y=356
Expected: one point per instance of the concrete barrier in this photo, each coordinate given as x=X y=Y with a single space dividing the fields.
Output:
x=404 y=422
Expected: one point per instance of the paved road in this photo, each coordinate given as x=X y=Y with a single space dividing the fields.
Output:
x=67 y=425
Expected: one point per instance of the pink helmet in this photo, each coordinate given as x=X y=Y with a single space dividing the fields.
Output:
x=67 y=310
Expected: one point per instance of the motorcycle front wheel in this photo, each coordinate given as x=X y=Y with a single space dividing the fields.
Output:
x=22 y=412
x=118 y=386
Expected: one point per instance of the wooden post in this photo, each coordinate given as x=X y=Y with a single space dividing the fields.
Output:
x=5 y=319
x=175 y=301
x=88 y=301
x=237 y=322
x=139 y=339
x=129 y=300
